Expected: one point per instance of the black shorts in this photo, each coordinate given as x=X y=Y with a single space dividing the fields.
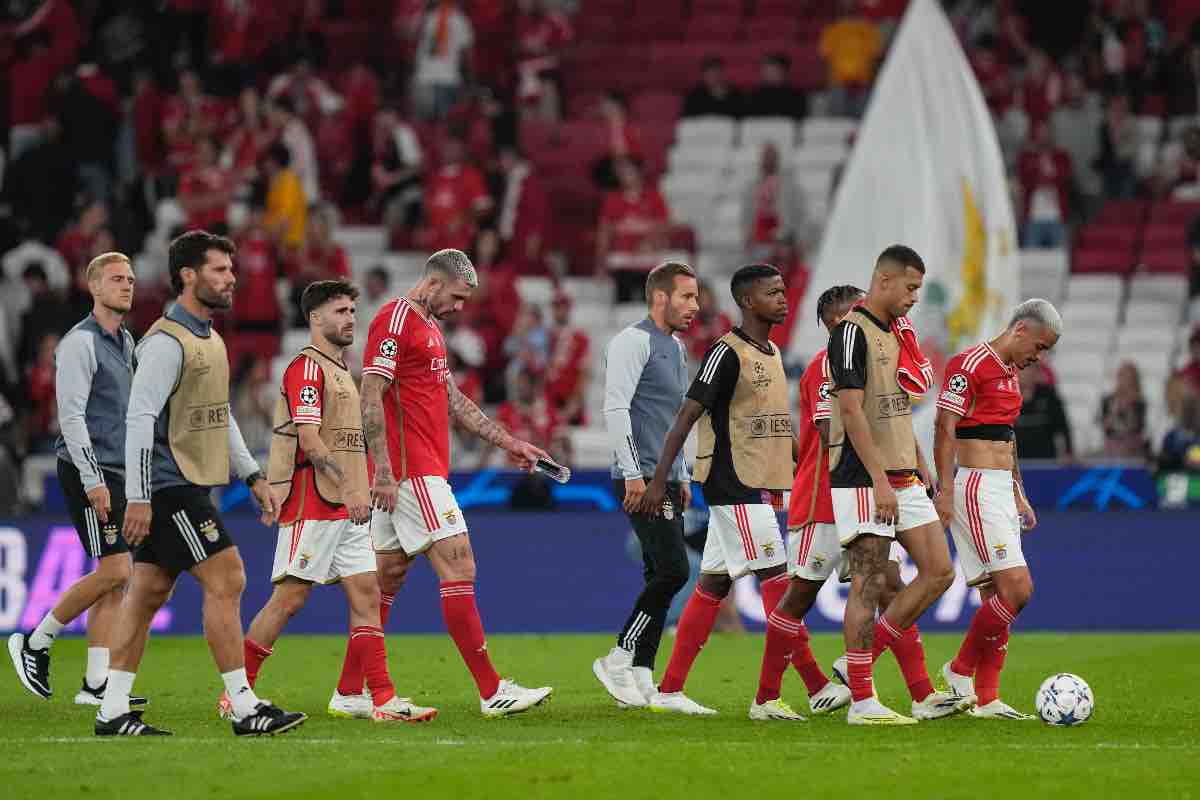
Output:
x=99 y=539
x=185 y=529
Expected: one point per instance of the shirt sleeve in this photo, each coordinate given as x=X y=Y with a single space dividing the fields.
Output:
x=74 y=368
x=159 y=360
x=383 y=344
x=240 y=460
x=303 y=385
x=814 y=391
x=958 y=389
x=717 y=376
x=627 y=355
x=847 y=358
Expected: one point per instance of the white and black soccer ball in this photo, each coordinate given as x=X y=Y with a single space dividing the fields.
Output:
x=1064 y=700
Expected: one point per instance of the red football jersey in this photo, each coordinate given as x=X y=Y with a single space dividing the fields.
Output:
x=980 y=388
x=408 y=349
x=814 y=461
x=304 y=386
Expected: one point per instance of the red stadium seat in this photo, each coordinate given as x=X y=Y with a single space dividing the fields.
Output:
x=1122 y=211
x=713 y=28
x=729 y=7
x=1161 y=236
x=759 y=28
x=1113 y=236
x=677 y=66
x=1174 y=212
x=1173 y=260
x=1102 y=260
x=654 y=105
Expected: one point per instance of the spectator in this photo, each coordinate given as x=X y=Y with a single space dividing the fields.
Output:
x=374 y=297
x=311 y=98
x=322 y=259
x=1118 y=149
x=254 y=395
x=492 y=312
x=248 y=140
x=770 y=204
x=528 y=346
x=621 y=141
x=1179 y=167
x=528 y=416
x=787 y=255
x=1180 y=450
x=1193 y=245
x=994 y=76
x=1183 y=81
x=710 y=324
x=1191 y=370
x=851 y=46
x=523 y=214
x=713 y=96
x=75 y=243
x=287 y=211
x=540 y=36
x=15 y=294
x=256 y=313
x=568 y=370
x=205 y=190
x=1042 y=429
x=187 y=117
x=394 y=188
x=45 y=313
x=444 y=39
x=1042 y=89
x=150 y=145
x=1123 y=416
x=455 y=199
x=29 y=80
x=774 y=97
x=1044 y=171
x=294 y=135
x=633 y=231
x=87 y=106
x=41 y=184
x=42 y=427
x=1075 y=126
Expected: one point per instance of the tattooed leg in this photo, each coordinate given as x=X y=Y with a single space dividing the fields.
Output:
x=868 y=562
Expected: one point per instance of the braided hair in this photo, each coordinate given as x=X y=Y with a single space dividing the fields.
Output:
x=836 y=295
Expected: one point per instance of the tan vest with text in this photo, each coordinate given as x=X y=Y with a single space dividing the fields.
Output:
x=341 y=431
x=760 y=424
x=198 y=433
x=887 y=406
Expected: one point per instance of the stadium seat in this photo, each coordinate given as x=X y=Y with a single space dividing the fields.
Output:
x=712 y=132
x=780 y=130
x=1103 y=260
x=1150 y=129
x=714 y=27
x=1043 y=274
x=1122 y=211
x=1095 y=288
x=535 y=290
x=1171 y=260
x=656 y=105
x=1157 y=287
x=1112 y=236
x=819 y=156
x=1177 y=213
x=1154 y=313
x=1162 y=235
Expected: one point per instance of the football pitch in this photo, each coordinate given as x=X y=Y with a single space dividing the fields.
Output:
x=1144 y=739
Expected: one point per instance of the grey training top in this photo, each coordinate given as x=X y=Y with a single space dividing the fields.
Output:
x=159 y=361
x=645 y=379
x=93 y=373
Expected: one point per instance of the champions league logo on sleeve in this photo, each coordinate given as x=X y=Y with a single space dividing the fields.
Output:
x=957 y=384
x=387 y=348
x=308 y=395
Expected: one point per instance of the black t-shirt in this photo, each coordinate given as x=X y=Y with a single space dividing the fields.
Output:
x=1042 y=419
x=713 y=388
x=848 y=370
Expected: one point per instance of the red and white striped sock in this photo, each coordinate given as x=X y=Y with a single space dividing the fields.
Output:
x=773 y=590
x=350 y=682
x=371 y=651
x=806 y=664
x=697 y=621
x=885 y=636
x=466 y=629
x=783 y=632
x=910 y=655
x=987 y=675
x=255 y=654
x=989 y=621
x=385 y=608
x=858 y=664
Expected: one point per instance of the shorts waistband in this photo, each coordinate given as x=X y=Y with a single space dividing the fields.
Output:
x=989 y=474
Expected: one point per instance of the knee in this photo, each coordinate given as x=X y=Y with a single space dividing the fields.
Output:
x=674 y=577
x=1016 y=594
x=716 y=585
x=291 y=601
x=943 y=578
x=462 y=570
x=114 y=573
x=392 y=574
x=230 y=586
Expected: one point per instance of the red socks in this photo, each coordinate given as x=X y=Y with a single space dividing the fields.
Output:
x=367 y=648
x=987 y=674
x=385 y=608
x=910 y=654
x=350 y=682
x=783 y=633
x=886 y=634
x=802 y=657
x=466 y=629
x=773 y=590
x=255 y=654
x=858 y=664
x=992 y=619
x=694 y=626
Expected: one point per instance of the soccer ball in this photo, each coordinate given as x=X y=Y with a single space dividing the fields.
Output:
x=1064 y=699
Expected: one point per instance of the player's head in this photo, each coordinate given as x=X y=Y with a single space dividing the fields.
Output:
x=835 y=303
x=899 y=273
x=449 y=282
x=329 y=308
x=110 y=280
x=1033 y=329
x=672 y=294
x=759 y=291
x=201 y=263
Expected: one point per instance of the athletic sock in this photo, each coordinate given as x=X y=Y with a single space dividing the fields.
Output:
x=466 y=629
x=910 y=655
x=858 y=664
x=694 y=626
x=241 y=695
x=97 y=667
x=773 y=590
x=782 y=633
x=987 y=674
x=886 y=634
x=806 y=664
x=385 y=608
x=991 y=618
x=44 y=634
x=350 y=682
x=255 y=654
x=372 y=655
x=116 y=694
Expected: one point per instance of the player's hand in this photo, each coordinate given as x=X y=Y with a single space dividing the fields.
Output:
x=944 y=503
x=383 y=491
x=927 y=480
x=101 y=501
x=686 y=491
x=137 y=521
x=652 y=499
x=1026 y=513
x=634 y=489
x=886 y=504
x=266 y=501
x=527 y=454
x=358 y=506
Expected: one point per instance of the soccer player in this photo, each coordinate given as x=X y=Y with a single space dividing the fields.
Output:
x=984 y=503
x=318 y=475
x=93 y=372
x=875 y=477
x=645 y=378
x=408 y=398
x=180 y=441
x=744 y=461
x=814 y=553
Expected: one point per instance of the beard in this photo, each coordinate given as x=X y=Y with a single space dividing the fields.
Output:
x=117 y=309
x=209 y=298
x=339 y=340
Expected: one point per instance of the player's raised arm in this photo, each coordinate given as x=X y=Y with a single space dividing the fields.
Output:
x=470 y=416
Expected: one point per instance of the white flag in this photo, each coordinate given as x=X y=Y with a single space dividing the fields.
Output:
x=926 y=171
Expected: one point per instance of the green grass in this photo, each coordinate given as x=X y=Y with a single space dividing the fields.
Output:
x=1144 y=737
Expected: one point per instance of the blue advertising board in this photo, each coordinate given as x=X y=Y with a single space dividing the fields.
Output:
x=568 y=571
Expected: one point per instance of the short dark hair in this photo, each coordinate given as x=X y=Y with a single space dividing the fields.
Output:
x=712 y=62
x=318 y=293
x=279 y=152
x=284 y=104
x=835 y=296
x=662 y=278
x=778 y=59
x=903 y=255
x=189 y=250
x=745 y=276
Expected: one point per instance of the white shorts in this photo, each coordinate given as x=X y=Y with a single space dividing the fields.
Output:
x=854 y=510
x=426 y=512
x=815 y=553
x=322 y=550
x=986 y=527
x=742 y=538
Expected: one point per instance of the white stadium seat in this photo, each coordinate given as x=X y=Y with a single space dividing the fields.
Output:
x=757 y=132
x=705 y=132
x=827 y=130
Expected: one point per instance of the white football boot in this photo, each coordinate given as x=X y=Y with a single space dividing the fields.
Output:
x=615 y=672
x=873 y=712
x=998 y=709
x=400 y=709
x=841 y=670
x=774 y=710
x=643 y=679
x=938 y=705
x=831 y=697
x=512 y=698
x=350 y=706
x=961 y=687
x=678 y=703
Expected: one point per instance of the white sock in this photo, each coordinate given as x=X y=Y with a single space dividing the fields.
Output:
x=240 y=694
x=43 y=635
x=97 y=666
x=116 y=695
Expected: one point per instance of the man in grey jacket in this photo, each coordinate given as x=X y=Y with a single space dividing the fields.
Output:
x=93 y=372
x=645 y=378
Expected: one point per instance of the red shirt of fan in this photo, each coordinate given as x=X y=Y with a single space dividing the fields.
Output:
x=813 y=474
x=537 y=424
x=257 y=273
x=205 y=180
x=980 y=388
x=569 y=352
x=303 y=388
x=450 y=197
x=633 y=217
x=408 y=349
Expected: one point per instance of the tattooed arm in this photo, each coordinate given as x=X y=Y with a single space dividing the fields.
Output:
x=318 y=453
x=467 y=414
x=383 y=484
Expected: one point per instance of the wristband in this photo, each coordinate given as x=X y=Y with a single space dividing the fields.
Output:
x=253 y=478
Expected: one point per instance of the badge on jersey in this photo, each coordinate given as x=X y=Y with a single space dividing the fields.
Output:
x=957 y=384
x=387 y=348
x=308 y=395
